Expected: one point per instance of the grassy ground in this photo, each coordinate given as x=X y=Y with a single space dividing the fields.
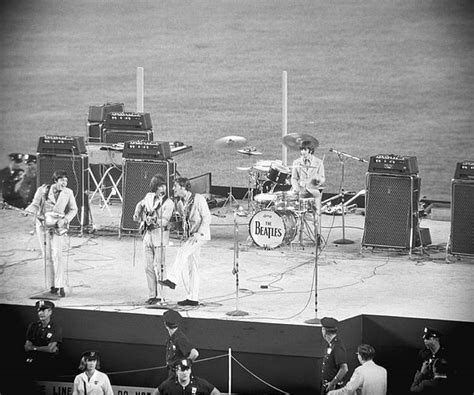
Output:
x=363 y=77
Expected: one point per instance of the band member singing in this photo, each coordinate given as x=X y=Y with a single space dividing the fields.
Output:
x=54 y=207
x=196 y=218
x=307 y=174
x=154 y=213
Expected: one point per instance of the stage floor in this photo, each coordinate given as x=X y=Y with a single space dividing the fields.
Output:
x=106 y=273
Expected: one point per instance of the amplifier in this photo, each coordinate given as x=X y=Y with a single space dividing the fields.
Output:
x=128 y=121
x=62 y=145
x=393 y=164
x=99 y=113
x=141 y=149
x=464 y=170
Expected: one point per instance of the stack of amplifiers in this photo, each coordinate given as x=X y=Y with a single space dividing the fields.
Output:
x=462 y=210
x=137 y=177
x=391 y=202
x=96 y=120
x=66 y=153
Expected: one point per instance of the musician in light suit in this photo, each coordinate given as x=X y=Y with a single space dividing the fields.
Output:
x=55 y=207
x=155 y=212
x=196 y=216
x=307 y=175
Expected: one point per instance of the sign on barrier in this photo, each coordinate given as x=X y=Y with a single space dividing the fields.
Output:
x=61 y=388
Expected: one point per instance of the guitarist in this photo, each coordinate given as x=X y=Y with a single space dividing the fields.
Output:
x=196 y=216
x=54 y=207
x=154 y=214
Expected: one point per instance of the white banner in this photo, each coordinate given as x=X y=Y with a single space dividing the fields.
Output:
x=60 y=388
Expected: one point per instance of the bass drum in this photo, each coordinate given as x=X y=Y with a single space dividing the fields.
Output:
x=271 y=229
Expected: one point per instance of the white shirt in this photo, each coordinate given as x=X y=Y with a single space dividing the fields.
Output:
x=367 y=379
x=99 y=384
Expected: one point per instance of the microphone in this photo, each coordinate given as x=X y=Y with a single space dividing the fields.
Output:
x=331 y=150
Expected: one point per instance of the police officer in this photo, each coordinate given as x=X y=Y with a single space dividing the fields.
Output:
x=43 y=341
x=334 y=366
x=185 y=382
x=433 y=350
x=178 y=346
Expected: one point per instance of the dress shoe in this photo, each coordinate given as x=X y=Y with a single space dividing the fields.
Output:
x=62 y=293
x=167 y=283
x=53 y=290
x=188 y=302
x=151 y=301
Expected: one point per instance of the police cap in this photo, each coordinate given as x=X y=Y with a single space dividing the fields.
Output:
x=30 y=158
x=172 y=318
x=90 y=355
x=16 y=157
x=183 y=364
x=428 y=333
x=329 y=323
x=44 y=304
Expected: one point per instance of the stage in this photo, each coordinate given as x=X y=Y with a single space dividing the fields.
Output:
x=106 y=272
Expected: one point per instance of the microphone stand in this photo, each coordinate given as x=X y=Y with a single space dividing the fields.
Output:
x=342 y=157
x=235 y=272
x=162 y=258
x=315 y=320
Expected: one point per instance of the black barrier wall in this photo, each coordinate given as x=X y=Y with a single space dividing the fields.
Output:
x=286 y=356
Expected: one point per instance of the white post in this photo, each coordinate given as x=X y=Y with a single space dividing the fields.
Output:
x=230 y=370
x=140 y=89
x=284 y=116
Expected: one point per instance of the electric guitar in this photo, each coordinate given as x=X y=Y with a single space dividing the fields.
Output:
x=147 y=221
x=50 y=220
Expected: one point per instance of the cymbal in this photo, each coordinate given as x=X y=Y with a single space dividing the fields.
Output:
x=230 y=142
x=243 y=168
x=294 y=140
x=249 y=151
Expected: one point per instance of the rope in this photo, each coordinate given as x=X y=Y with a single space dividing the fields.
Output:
x=258 y=378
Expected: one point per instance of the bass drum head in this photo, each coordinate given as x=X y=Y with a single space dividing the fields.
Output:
x=271 y=229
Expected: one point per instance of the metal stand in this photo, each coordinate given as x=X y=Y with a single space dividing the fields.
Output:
x=315 y=320
x=343 y=240
x=235 y=272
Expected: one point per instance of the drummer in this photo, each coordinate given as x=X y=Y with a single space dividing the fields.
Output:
x=307 y=175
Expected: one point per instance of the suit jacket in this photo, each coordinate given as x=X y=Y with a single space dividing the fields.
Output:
x=199 y=217
x=66 y=203
x=302 y=176
x=367 y=379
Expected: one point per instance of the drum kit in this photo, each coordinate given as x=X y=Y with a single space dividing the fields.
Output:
x=278 y=214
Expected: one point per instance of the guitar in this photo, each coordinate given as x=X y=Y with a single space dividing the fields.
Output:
x=50 y=220
x=147 y=221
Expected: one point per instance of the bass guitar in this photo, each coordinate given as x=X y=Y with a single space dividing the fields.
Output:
x=50 y=220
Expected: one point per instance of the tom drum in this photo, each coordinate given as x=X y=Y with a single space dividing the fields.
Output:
x=278 y=173
x=271 y=229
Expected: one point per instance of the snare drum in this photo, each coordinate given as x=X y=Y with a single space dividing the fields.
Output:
x=278 y=173
x=271 y=229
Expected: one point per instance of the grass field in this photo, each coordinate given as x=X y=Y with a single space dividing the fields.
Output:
x=365 y=77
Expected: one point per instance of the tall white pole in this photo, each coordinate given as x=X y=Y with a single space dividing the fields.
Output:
x=284 y=116
x=140 y=89
x=230 y=371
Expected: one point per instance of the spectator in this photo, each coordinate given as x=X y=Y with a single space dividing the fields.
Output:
x=13 y=167
x=335 y=359
x=367 y=379
x=91 y=381
x=185 y=382
x=178 y=346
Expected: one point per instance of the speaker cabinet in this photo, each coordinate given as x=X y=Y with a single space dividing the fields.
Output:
x=391 y=211
x=78 y=180
x=462 y=217
x=137 y=177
